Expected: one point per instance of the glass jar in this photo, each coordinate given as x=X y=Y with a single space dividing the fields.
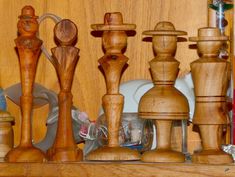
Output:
x=134 y=133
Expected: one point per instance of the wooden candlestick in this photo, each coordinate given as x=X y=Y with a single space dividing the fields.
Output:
x=28 y=46
x=114 y=41
x=164 y=103
x=211 y=76
x=64 y=59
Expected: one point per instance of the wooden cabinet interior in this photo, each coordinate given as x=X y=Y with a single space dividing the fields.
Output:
x=187 y=15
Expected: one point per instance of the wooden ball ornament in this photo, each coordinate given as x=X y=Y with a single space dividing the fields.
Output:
x=164 y=103
x=114 y=40
x=28 y=46
x=64 y=59
x=211 y=77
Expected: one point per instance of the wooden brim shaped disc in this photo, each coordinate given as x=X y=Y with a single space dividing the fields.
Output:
x=209 y=34
x=164 y=29
x=113 y=22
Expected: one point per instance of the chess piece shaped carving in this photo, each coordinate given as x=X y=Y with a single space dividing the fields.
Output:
x=164 y=103
x=28 y=46
x=211 y=76
x=114 y=40
x=64 y=59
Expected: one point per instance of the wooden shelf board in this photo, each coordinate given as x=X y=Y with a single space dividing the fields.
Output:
x=112 y=169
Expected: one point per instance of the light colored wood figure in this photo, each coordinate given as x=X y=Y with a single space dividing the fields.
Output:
x=211 y=76
x=64 y=59
x=164 y=103
x=114 y=41
x=28 y=46
x=6 y=134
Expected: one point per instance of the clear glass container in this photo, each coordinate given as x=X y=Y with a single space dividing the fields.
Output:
x=134 y=132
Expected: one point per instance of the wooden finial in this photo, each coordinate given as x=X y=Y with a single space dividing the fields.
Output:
x=64 y=59
x=28 y=11
x=65 y=32
x=210 y=114
x=27 y=25
x=164 y=103
x=114 y=18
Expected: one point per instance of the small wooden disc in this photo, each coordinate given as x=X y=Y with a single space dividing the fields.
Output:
x=65 y=32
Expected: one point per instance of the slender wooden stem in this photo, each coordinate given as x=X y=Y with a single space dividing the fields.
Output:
x=111 y=103
x=26 y=127
x=64 y=129
x=163 y=134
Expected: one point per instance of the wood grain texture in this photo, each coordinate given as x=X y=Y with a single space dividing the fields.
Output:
x=163 y=103
x=144 y=13
x=84 y=169
x=210 y=113
x=114 y=41
x=28 y=47
x=65 y=58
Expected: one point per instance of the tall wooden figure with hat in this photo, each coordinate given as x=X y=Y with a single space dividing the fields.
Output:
x=114 y=40
x=28 y=46
x=64 y=59
x=211 y=76
x=164 y=103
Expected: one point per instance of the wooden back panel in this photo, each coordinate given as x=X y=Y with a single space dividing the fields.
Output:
x=89 y=85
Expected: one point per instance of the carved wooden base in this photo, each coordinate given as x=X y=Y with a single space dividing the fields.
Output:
x=212 y=157
x=25 y=154
x=163 y=155
x=65 y=154
x=113 y=154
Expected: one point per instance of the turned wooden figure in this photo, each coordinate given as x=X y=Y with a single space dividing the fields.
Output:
x=28 y=46
x=211 y=76
x=114 y=40
x=64 y=59
x=164 y=103
x=6 y=133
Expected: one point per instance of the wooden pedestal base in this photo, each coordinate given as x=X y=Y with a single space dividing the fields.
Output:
x=212 y=157
x=113 y=154
x=65 y=154
x=163 y=156
x=25 y=154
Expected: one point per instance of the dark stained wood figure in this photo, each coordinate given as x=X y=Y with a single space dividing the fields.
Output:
x=28 y=46
x=164 y=103
x=64 y=59
x=114 y=40
x=211 y=77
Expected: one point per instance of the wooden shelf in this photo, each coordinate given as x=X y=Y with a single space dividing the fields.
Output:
x=118 y=169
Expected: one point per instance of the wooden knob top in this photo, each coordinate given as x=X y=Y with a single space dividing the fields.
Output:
x=209 y=34
x=113 y=22
x=209 y=41
x=65 y=32
x=164 y=38
x=28 y=11
x=27 y=25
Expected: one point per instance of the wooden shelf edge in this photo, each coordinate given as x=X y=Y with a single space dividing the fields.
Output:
x=111 y=169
